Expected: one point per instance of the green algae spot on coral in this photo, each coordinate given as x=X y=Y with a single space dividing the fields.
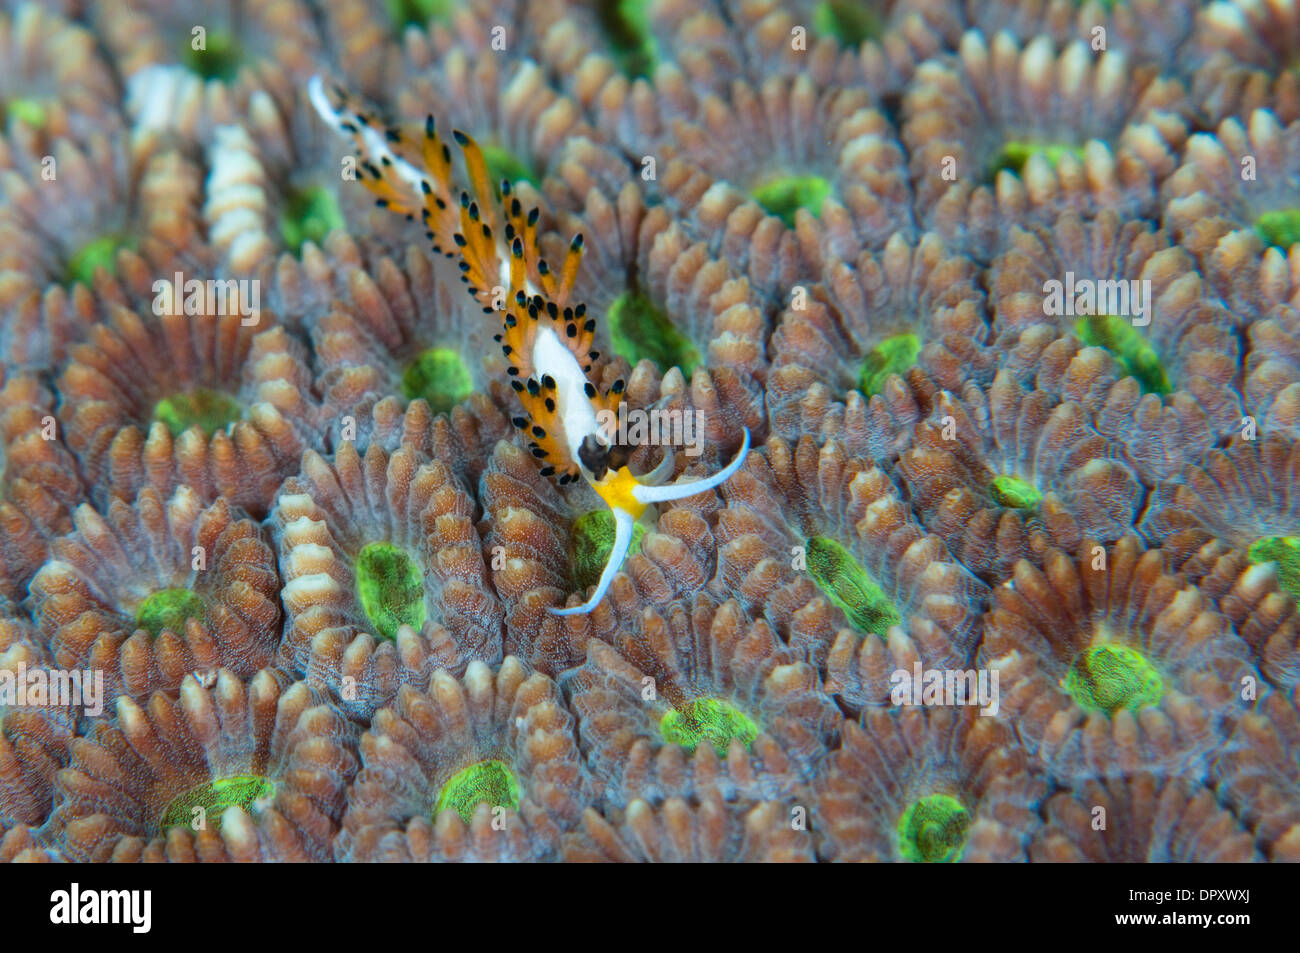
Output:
x=1015 y=493
x=626 y=24
x=849 y=586
x=1110 y=677
x=1284 y=551
x=638 y=330
x=309 y=215
x=218 y=60
x=1014 y=155
x=391 y=589
x=1279 y=228
x=28 y=110
x=787 y=194
x=504 y=164
x=852 y=22
x=97 y=253
x=711 y=720
x=439 y=376
x=168 y=609
x=894 y=355
x=591 y=542
x=1128 y=346
x=488 y=782
x=417 y=13
x=252 y=792
x=933 y=830
x=209 y=410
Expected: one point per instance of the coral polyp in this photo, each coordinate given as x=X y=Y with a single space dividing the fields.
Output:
x=169 y=609
x=249 y=793
x=488 y=782
x=1138 y=359
x=894 y=355
x=309 y=215
x=151 y=591
x=208 y=410
x=1105 y=651
x=391 y=588
x=1006 y=133
x=488 y=767
x=708 y=720
x=937 y=785
x=1013 y=155
x=933 y=829
x=850 y=587
x=639 y=330
x=239 y=769
x=384 y=574
x=1283 y=552
x=1107 y=678
x=98 y=254
x=218 y=59
x=1279 y=228
x=1014 y=492
x=439 y=376
x=783 y=195
x=622 y=431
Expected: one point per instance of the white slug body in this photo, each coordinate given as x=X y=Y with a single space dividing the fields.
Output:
x=546 y=340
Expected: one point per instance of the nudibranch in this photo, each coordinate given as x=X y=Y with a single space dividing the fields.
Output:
x=546 y=336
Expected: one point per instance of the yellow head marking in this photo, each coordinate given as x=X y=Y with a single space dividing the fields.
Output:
x=616 y=490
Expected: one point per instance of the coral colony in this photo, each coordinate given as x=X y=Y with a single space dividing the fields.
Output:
x=724 y=430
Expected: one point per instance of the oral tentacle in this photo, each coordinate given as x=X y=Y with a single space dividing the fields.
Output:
x=623 y=524
x=661 y=472
x=678 y=491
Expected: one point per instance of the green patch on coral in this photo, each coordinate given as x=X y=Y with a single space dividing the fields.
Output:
x=391 y=588
x=638 y=329
x=1284 y=551
x=933 y=830
x=504 y=164
x=309 y=215
x=787 y=194
x=1015 y=493
x=1109 y=677
x=488 y=782
x=626 y=24
x=852 y=22
x=894 y=355
x=849 y=586
x=252 y=792
x=219 y=59
x=1280 y=227
x=28 y=110
x=97 y=253
x=168 y=609
x=1128 y=346
x=1014 y=155
x=209 y=410
x=417 y=13
x=711 y=720
x=440 y=377
x=590 y=545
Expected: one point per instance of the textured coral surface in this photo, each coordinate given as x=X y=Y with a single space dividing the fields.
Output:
x=998 y=296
